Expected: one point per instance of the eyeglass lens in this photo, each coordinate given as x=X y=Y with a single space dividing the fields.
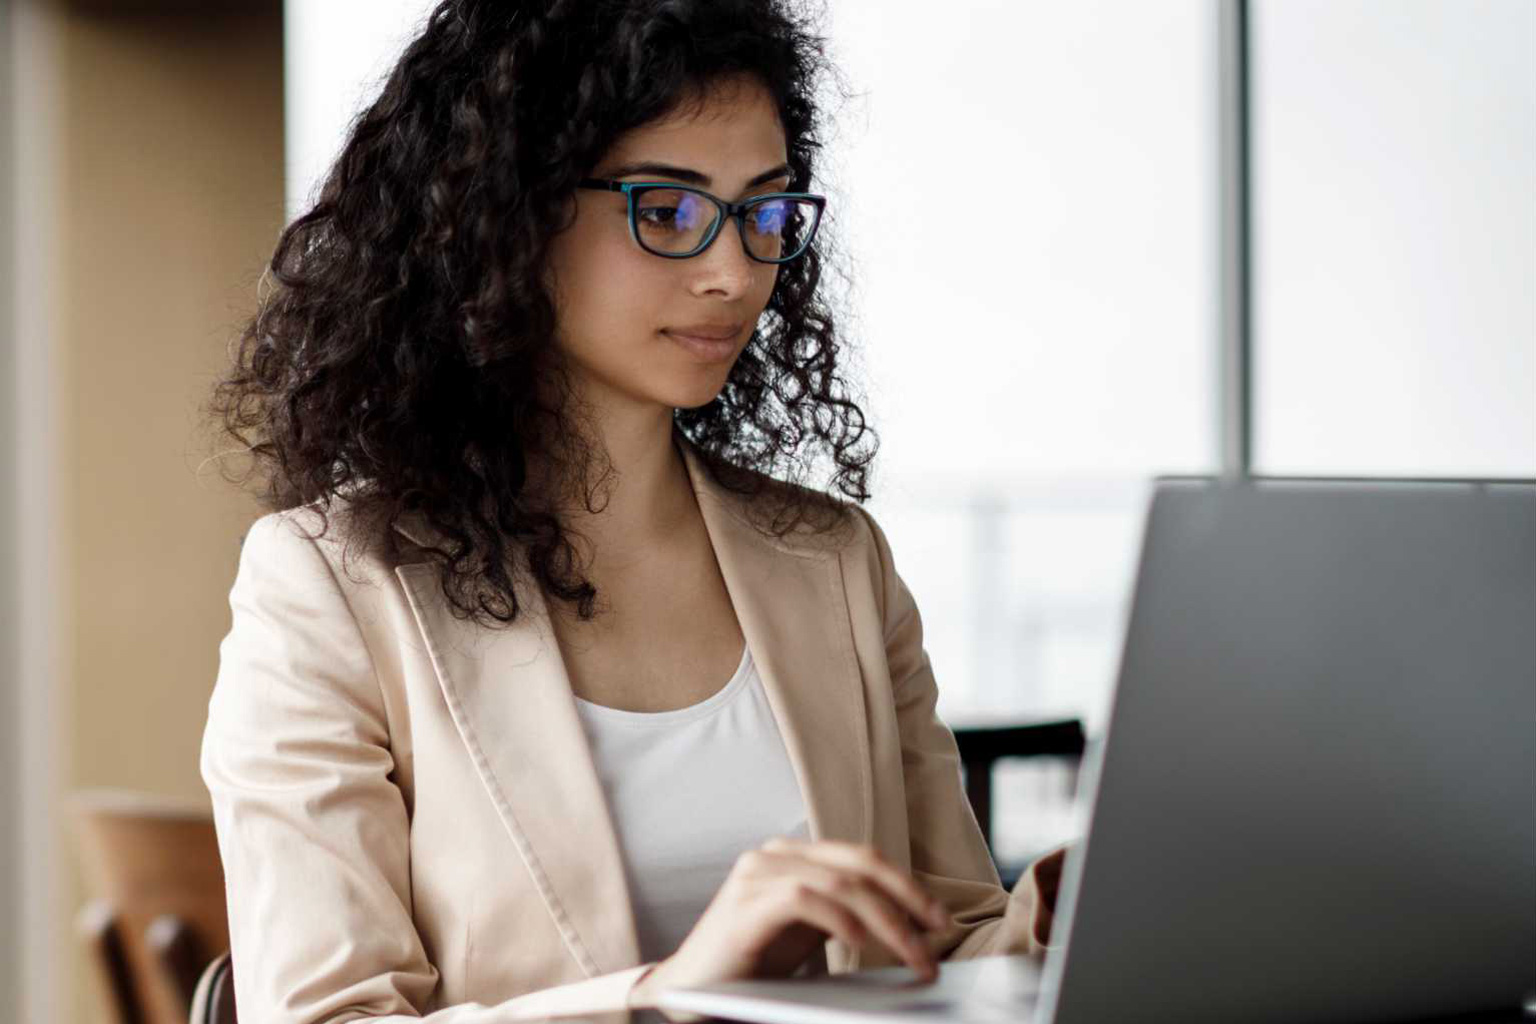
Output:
x=674 y=222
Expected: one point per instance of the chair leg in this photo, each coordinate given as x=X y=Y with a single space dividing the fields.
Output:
x=98 y=923
x=176 y=951
x=978 y=790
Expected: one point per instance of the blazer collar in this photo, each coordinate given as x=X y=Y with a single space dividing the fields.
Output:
x=511 y=701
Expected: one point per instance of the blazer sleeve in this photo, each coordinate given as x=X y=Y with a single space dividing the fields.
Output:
x=949 y=857
x=312 y=831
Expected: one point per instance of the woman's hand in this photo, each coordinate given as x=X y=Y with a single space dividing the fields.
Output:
x=784 y=899
x=1047 y=875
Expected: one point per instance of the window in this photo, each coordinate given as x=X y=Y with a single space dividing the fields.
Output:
x=1029 y=198
x=1394 y=237
x=336 y=55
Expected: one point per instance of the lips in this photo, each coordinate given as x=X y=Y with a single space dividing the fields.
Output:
x=712 y=343
x=706 y=332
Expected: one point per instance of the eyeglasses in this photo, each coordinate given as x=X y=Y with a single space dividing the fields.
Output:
x=679 y=221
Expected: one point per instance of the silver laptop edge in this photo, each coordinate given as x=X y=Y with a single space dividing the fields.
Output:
x=1386 y=632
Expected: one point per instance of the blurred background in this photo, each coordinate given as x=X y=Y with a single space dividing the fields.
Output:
x=1282 y=237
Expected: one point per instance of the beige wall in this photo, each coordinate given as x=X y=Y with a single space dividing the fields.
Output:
x=169 y=198
x=10 y=705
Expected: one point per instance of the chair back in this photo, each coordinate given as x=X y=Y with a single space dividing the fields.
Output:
x=157 y=914
x=981 y=747
x=214 y=1000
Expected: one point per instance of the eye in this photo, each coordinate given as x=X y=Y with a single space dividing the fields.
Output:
x=668 y=211
x=658 y=215
x=769 y=217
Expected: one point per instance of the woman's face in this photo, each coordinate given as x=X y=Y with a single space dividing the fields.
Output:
x=624 y=314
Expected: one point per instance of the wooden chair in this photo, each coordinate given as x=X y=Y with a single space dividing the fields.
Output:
x=214 y=1000
x=157 y=916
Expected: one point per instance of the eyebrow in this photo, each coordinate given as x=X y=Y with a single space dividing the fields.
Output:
x=688 y=175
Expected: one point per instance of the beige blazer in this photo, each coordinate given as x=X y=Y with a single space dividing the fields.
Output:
x=409 y=817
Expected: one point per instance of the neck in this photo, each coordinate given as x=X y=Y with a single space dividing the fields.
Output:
x=645 y=505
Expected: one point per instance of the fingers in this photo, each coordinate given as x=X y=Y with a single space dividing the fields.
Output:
x=810 y=883
x=806 y=904
x=853 y=920
x=866 y=862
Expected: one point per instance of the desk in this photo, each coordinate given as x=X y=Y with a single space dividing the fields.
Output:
x=1508 y=1017
x=1008 y=988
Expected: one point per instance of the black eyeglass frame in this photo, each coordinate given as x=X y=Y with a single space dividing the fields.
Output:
x=724 y=208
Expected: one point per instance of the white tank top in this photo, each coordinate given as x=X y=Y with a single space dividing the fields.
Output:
x=689 y=791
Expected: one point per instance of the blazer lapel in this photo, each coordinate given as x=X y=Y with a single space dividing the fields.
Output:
x=792 y=607
x=510 y=697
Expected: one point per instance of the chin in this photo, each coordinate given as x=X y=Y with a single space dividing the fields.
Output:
x=693 y=398
x=695 y=386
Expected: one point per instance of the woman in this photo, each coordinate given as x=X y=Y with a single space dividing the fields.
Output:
x=534 y=385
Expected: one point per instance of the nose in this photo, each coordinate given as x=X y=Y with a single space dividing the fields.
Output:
x=724 y=269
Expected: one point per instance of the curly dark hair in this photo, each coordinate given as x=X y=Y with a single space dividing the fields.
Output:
x=395 y=360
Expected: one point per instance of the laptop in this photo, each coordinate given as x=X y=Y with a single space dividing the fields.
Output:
x=1315 y=799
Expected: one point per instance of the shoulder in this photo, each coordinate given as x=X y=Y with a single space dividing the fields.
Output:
x=318 y=541
x=796 y=518
x=834 y=528
x=290 y=537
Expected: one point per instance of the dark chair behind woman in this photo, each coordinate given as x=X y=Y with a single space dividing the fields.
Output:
x=214 y=1000
x=982 y=747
